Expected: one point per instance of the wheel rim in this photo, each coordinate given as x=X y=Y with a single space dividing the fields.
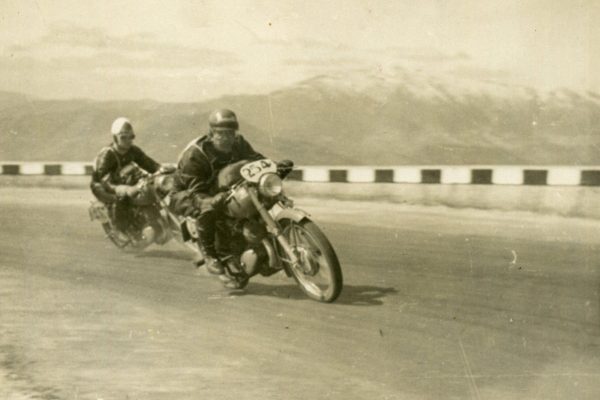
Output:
x=108 y=229
x=314 y=272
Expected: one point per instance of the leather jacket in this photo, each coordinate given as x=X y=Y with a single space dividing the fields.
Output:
x=200 y=163
x=110 y=162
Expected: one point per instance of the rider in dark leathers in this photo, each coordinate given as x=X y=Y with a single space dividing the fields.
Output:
x=196 y=191
x=110 y=182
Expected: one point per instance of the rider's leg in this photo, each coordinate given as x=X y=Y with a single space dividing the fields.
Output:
x=207 y=232
x=207 y=228
x=122 y=213
x=206 y=222
x=198 y=206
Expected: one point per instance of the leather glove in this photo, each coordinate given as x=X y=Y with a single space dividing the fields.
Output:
x=284 y=167
x=167 y=169
x=123 y=191
x=218 y=200
x=132 y=191
x=194 y=212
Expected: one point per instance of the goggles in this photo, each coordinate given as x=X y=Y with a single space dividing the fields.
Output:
x=223 y=132
x=126 y=136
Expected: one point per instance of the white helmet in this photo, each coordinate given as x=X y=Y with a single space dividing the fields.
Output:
x=121 y=124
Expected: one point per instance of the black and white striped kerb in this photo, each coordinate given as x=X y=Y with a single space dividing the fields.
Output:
x=43 y=168
x=476 y=175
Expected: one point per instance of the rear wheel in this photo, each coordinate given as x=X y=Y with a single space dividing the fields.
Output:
x=118 y=240
x=318 y=272
x=237 y=277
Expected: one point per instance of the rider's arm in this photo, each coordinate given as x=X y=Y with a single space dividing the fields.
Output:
x=144 y=161
x=246 y=150
x=106 y=166
x=194 y=172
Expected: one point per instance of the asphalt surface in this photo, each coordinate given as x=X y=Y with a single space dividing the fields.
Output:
x=437 y=304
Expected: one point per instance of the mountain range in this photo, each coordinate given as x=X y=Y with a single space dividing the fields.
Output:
x=403 y=117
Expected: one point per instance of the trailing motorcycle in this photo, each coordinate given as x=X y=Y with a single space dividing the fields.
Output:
x=262 y=232
x=147 y=222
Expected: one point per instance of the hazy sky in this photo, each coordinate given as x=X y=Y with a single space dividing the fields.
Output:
x=193 y=50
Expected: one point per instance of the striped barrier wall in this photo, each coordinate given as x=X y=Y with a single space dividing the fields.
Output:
x=478 y=175
x=46 y=168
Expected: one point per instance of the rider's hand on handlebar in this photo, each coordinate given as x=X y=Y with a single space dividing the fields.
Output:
x=219 y=199
x=123 y=191
x=194 y=213
x=133 y=190
x=284 y=167
x=167 y=169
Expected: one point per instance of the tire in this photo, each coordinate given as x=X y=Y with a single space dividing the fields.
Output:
x=318 y=260
x=236 y=272
x=108 y=229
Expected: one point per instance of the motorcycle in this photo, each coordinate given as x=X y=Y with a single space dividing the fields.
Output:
x=148 y=222
x=261 y=233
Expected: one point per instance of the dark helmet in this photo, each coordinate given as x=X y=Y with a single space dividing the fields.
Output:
x=223 y=118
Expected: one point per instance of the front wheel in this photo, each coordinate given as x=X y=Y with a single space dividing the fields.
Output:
x=318 y=272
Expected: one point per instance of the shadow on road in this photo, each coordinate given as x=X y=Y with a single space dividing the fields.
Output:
x=362 y=295
x=175 y=255
x=351 y=295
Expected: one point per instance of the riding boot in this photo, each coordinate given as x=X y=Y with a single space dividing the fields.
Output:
x=206 y=224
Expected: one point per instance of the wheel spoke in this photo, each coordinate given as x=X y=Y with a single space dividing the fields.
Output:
x=314 y=288
x=310 y=253
x=317 y=272
x=295 y=234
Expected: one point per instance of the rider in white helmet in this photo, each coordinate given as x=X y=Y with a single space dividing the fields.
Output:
x=110 y=181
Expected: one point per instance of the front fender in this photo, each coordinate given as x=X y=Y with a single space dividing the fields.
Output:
x=293 y=214
x=280 y=214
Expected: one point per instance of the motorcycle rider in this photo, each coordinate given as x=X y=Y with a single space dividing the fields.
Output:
x=196 y=190
x=109 y=183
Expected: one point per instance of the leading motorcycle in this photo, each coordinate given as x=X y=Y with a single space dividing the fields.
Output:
x=262 y=232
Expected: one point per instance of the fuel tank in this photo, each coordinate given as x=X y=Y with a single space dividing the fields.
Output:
x=240 y=205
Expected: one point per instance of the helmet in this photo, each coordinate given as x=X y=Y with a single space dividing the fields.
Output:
x=223 y=118
x=121 y=124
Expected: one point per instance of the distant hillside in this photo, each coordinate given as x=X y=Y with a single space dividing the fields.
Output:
x=407 y=118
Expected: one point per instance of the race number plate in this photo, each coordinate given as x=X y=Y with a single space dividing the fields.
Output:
x=254 y=170
x=98 y=212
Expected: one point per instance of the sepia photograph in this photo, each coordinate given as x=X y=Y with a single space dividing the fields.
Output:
x=275 y=199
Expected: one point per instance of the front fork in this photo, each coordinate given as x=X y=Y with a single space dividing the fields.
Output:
x=273 y=228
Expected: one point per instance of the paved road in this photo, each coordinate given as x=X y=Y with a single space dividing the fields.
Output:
x=438 y=304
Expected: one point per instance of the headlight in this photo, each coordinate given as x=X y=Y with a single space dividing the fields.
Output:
x=270 y=185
